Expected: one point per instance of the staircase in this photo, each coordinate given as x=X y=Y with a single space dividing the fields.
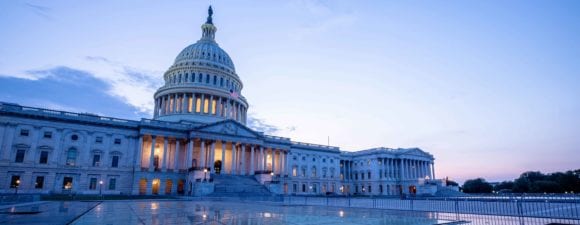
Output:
x=237 y=186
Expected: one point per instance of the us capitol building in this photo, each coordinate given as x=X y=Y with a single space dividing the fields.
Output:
x=196 y=144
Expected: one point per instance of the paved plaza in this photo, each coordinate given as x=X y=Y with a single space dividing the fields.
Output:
x=226 y=212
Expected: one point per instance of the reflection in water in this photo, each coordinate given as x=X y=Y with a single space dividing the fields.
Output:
x=190 y=212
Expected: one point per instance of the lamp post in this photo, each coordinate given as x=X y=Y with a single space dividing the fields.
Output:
x=101 y=188
x=204 y=173
x=17 y=184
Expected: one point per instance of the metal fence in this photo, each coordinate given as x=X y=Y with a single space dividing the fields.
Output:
x=546 y=207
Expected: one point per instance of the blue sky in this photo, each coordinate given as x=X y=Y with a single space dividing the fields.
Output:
x=491 y=88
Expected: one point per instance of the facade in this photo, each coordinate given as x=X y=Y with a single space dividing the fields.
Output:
x=198 y=132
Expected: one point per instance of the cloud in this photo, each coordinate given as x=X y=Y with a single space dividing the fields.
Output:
x=39 y=10
x=68 y=89
x=131 y=85
x=261 y=126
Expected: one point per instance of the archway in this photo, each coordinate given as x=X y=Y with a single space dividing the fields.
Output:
x=217 y=166
x=412 y=190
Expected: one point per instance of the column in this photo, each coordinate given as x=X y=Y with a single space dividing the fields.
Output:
x=243 y=163
x=189 y=154
x=402 y=165
x=161 y=105
x=194 y=102
x=163 y=162
x=185 y=103
x=212 y=157
x=202 y=156
x=174 y=106
x=433 y=170
x=252 y=168
x=203 y=104
x=139 y=153
x=274 y=161
x=152 y=155
x=262 y=160
x=233 y=158
x=283 y=165
x=176 y=156
x=223 y=157
x=265 y=160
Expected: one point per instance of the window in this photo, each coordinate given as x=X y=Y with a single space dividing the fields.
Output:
x=47 y=135
x=206 y=105
x=303 y=187
x=221 y=81
x=197 y=104
x=74 y=137
x=199 y=78
x=323 y=160
x=67 y=183
x=214 y=80
x=43 y=157
x=93 y=183
x=20 y=156
x=99 y=140
x=71 y=157
x=96 y=160
x=313 y=171
x=117 y=141
x=207 y=78
x=369 y=175
x=303 y=158
x=331 y=161
x=213 y=107
x=370 y=191
x=294 y=171
x=303 y=172
x=362 y=176
x=112 y=183
x=39 y=184
x=15 y=181
x=24 y=132
x=294 y=158
x=294 y=188
x=313 y=159
x=115 y=161
x=190 y=105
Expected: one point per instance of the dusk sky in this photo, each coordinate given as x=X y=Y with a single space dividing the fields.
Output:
x=490 y=88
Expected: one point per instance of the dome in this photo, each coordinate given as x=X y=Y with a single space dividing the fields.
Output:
x=205 y=51
x=202 y=85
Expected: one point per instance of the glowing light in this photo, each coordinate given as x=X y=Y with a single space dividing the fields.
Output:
x=341 y=213
x=154 y=205
x=267 y=215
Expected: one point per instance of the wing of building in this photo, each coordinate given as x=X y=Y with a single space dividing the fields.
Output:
x=196 y=144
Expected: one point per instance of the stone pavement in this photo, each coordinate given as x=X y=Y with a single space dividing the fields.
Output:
x=44 y=212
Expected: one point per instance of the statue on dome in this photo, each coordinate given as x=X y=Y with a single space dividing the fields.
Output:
x=210 y=13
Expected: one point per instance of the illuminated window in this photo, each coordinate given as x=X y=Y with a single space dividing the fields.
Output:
x=197 y=104
x=190 y=105
x=178 y=103
x=213 y=106
x=206 y=105
x=171 y=104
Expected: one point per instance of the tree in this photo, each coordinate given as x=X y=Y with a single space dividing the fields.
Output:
x=505 y=185
x=478 y=185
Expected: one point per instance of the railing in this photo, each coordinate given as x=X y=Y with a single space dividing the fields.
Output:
x=522 y=207
x=315 y=145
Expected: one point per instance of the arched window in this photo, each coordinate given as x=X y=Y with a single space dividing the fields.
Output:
x=207 y=78
x=214 y=80
x=186 y=77
x=179 y=79
x=200 y=78
x=71 y=157
x=221 y=81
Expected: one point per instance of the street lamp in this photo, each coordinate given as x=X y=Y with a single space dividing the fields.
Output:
x=17 y=184
x=101 y=188
x=204 y=173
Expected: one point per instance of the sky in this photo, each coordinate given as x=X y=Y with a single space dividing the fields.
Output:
x=490 y=88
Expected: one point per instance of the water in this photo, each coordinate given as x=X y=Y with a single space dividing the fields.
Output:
x=186 y=212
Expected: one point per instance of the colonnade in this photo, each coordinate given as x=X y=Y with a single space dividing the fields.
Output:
x=394 y=169
x=218 y=156
x=199 y=103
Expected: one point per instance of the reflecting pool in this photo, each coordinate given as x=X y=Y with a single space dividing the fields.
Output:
x=187 y=212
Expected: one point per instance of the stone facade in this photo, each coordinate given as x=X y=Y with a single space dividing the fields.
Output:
x=198 y=130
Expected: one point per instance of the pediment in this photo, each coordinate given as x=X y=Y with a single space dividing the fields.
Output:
x=417 y=152
x=228 y=127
